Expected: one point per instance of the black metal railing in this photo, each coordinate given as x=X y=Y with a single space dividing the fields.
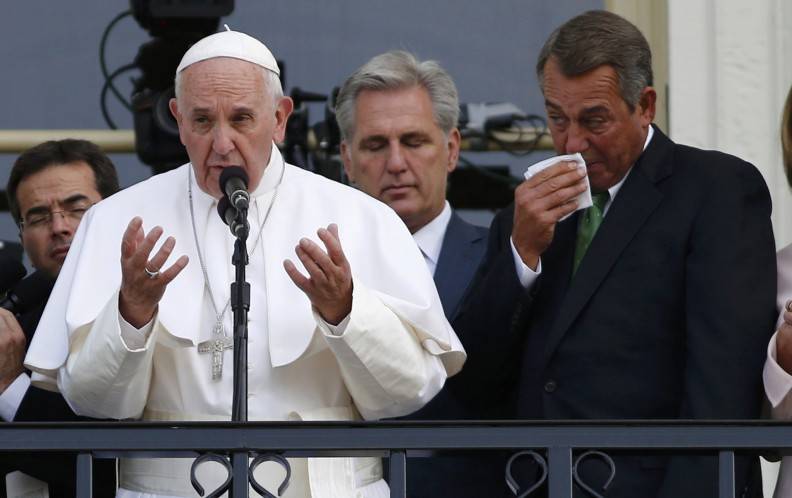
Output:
x=552 y=444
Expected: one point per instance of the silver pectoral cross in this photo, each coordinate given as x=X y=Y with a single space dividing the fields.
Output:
x=216 y=346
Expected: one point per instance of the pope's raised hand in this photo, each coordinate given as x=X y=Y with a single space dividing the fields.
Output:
x=143 y=279
x=329 y=281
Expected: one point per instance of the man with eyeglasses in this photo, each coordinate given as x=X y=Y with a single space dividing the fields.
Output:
x=50 y=187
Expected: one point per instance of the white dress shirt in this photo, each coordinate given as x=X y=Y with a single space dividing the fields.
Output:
x=777 y=382
x=430 y=237
x=11 y=398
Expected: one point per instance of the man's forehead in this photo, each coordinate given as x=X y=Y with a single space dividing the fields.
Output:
x=403 y=111
x=206 y=80
x=57 y=183
x=598 y=87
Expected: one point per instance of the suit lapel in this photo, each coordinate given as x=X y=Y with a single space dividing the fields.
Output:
x=456 y=264
x=635 y=202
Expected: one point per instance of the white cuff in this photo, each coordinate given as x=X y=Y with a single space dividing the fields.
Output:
x=330 y=329
x=525 y=274
x=777 y=382
x=11 y=398
x=133 y=338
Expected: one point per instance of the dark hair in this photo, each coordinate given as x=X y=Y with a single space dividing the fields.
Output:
x=597 y=38
x=57 y=152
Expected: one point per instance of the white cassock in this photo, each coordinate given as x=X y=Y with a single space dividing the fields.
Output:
x=392 y=355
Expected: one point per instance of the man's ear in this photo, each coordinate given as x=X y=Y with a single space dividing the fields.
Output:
x=454 y=144
x=283 y=110
x=174 y=109
x=646 y=105
x=346 y=158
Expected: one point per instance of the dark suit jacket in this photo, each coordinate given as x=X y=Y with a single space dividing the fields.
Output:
x=57 y=469
x=463 y=248
x=668 y=316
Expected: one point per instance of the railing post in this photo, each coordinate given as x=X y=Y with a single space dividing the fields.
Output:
x=726 y=474
x=241 y=473
x=84 y=487
x=560 y=472
x=398 y=474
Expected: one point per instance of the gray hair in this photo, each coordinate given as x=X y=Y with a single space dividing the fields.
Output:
x=597 y=38
x=271 y=82
x=395 y=70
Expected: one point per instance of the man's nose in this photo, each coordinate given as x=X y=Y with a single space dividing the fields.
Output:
x=222 y=142
x=395 y=163
x=576 y=140
x=61 y=224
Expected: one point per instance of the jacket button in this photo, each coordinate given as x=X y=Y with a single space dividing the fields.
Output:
x=550 y=386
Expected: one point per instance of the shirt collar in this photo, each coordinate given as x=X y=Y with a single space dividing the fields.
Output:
x=430 y=236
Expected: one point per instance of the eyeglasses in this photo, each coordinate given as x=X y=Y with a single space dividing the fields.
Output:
x=44 y=219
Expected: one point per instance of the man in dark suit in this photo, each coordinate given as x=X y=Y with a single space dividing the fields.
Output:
x=398 y=119
x=50 y=187
x=655 y=303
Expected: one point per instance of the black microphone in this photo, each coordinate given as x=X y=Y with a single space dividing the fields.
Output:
x=30 y=292
x=11 y=271
x=233 y=183
x=228 y=214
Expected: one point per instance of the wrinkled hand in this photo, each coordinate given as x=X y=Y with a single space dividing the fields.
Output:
x=140 y=293
x=329 y=281
x=12 y=349
x=784 y=340
x=538 y=205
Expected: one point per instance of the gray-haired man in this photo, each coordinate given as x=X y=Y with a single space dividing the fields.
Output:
x=398 y=119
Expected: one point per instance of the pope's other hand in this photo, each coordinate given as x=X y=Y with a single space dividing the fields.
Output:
x=329 y=281
x=143 y=280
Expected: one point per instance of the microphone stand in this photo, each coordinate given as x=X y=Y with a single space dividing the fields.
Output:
x=240 y=304
x=240 y=471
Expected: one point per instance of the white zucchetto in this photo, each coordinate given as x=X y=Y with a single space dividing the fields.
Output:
x=232 y=44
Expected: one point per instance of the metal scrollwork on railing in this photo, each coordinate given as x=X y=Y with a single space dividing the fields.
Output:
x=512 y=482
x=223 y=460
x=210 y=457
x=593 y=454
x=270 y=457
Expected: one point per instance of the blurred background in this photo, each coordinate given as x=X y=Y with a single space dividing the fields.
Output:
x=53 y=73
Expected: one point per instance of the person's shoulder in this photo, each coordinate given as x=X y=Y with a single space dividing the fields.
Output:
x=314 y=184
x=162 y=182
x=711 y=163
x=470 y=229
x=151 y=192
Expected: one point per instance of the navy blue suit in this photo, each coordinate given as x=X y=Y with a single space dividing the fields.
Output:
x=463 y=248
x=667 y=317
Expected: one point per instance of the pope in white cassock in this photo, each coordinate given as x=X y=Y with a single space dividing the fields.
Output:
x=351 y=328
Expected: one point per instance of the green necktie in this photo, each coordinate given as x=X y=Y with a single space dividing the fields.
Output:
x=589 y=223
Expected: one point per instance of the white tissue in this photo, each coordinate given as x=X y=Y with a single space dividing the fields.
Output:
x=584 y=199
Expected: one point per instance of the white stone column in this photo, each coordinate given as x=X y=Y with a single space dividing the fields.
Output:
x=730 y=67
